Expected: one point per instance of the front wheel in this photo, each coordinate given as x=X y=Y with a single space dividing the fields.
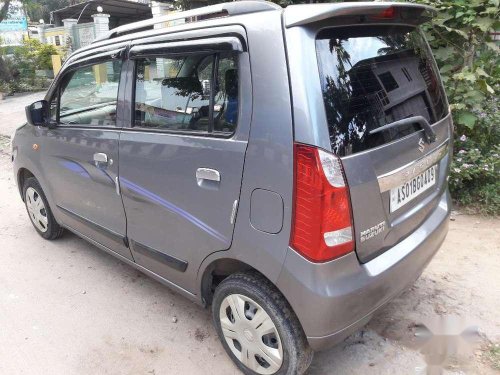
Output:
x=39 y=211
x=258 y=328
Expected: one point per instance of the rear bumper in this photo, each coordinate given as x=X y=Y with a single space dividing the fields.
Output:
x=334 y=299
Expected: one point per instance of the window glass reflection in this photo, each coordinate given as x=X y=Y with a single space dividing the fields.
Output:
x=374 y=76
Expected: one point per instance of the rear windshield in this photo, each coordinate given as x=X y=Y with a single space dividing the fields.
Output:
x=374 y=76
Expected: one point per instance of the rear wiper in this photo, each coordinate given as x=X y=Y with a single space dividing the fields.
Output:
x=430 y=135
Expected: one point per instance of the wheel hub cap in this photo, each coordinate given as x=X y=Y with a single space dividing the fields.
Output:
x=251 y=334
x=36 y=210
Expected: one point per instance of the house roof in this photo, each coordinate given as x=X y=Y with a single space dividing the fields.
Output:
x=121 y=11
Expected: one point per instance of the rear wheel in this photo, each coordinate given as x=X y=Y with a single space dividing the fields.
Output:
x=39 y=211
x=257 y=327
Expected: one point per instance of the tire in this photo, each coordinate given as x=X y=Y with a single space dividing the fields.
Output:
x=273 y=345
x=39 y=210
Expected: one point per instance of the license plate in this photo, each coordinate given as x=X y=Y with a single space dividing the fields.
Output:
x=412 y=188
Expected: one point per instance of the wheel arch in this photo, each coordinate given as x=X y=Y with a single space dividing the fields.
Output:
x=22 y=175
x=219 y=269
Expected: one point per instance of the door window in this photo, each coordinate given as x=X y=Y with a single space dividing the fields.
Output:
x=177 y=93
x=226 y=96
x=88 y=95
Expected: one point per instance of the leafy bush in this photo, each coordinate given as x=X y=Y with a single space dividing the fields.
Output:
x=19 y=65
x=33 y=55
x=474 y=178
x=470 y=67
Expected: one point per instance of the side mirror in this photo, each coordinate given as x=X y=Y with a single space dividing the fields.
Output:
x=37 y=113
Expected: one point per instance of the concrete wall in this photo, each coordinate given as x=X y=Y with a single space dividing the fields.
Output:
x=73 y=35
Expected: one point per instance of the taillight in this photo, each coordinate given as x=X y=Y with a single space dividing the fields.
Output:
x=322 y=225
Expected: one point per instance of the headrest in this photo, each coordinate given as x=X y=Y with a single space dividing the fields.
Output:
x=231 y=82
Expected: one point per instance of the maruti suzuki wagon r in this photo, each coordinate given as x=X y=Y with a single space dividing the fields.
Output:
x=287 y=167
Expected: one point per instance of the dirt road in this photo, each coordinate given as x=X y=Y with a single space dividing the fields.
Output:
x=68 y=308
x=12 y=110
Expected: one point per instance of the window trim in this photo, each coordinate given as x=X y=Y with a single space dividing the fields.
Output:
x=208 y=46
x=204 y=134
x=95 y=60
x=211 y=102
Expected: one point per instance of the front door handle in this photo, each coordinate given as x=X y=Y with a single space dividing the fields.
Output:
x=102 y=158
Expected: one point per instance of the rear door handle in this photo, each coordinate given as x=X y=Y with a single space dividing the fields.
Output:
x=207 y=174
x=101 y=157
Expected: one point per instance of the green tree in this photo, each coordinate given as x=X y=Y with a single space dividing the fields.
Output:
x=33 y=55
x=4 y=69
x=40 y=9
x=468 y=58
x=4 y=10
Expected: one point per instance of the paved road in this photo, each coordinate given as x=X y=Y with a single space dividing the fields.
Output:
x=12 y=112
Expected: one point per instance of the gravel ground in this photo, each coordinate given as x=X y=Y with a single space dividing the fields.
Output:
x=68 y=308
x=12 y=110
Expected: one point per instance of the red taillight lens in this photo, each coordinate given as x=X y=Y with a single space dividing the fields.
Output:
x=322 y=225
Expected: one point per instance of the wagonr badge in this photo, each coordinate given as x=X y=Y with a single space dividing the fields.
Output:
x=194 y=153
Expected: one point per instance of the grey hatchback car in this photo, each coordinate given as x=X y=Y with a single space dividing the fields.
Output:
x=287 y=167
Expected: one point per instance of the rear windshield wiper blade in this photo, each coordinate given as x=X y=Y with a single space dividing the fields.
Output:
x=430 y=135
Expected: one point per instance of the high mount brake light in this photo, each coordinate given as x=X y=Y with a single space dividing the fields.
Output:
x=388 y=13
x=322 y=220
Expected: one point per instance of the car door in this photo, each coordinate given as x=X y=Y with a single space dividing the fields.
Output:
x=80 y=151
x=181 y=158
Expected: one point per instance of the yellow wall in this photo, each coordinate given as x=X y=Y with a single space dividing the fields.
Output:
x=56 y=64
x=49 y=37
x=48 y=32
x=100 y=73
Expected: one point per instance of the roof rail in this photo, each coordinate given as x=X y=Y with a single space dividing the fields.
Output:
x=212 y=11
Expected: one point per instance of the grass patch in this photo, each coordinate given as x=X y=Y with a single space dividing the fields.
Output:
x=4 y=141
x=493 y=355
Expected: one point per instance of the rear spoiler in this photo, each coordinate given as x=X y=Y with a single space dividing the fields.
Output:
x=300 y=15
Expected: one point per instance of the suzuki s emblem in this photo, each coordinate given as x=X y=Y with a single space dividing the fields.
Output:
x=421 y=145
